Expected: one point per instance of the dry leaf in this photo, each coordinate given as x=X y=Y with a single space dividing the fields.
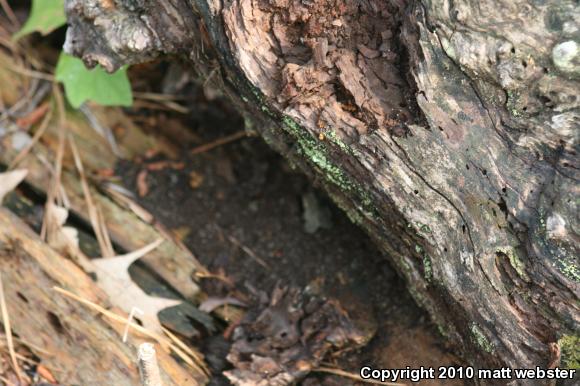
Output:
x=181 y=233
x=161 y=165
x=10 y=180
x=46 y=374
x=211 y=303
x=64 y=239
x=152 y=153
x=142 y=187
x=34 y=116
x=195 y=180
x=113 y=277
x=105 y=173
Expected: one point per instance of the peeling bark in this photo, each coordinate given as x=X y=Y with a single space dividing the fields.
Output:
x=448 y=130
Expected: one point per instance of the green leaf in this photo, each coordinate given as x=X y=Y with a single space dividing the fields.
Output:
x=82 y=84
x=45 y=17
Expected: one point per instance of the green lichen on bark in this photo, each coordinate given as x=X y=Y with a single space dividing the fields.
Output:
x=570 y=351
x=331 y=135
x=480 y=339
x=427 y=268
x=516 y=263
x=317 y=153
x=424 y=227
x=564 y=259
x=569 y=267
x=442 y=330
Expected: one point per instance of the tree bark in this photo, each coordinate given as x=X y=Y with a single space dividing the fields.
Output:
x=448 y=130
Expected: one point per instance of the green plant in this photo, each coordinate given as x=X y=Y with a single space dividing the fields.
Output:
x=97 y=85
x=45 y=16
x=80 y=83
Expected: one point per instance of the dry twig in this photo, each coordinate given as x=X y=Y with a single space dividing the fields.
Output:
x=148 y=367
x=103 y=130
x=248 y=252
x=32 y=73
x=9 y=13
x=160 y=100
x=219 y=142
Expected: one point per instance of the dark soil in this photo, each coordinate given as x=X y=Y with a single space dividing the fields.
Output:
x=245 y=196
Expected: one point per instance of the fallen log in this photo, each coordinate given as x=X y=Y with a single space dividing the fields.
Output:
x=448 y=130
x=77 y=344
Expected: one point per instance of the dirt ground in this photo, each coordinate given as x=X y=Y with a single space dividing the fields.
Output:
x=241 y=209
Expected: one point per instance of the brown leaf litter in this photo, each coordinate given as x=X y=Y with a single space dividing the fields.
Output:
x=287 y=337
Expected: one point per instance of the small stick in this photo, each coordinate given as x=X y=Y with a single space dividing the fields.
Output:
x=156 y=97
x=148 y=367
x=219 y=142
x=134 y=310
x=32 y=73
x=248 y=252
x=8 y=332
x=103 y=130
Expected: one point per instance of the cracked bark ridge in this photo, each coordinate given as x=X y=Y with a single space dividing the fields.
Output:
x=448 y=130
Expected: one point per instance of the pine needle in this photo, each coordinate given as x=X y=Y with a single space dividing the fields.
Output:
x=10 y=13
x=8 y=331
x=53 y=193
x=96 y=218
x=219 y=142
x=194 y=354
x=163 y=341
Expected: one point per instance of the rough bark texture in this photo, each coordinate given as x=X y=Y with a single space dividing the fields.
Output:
x=448 y=129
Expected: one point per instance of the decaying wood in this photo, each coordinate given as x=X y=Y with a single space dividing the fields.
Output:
x=79 y=346
x=448 y=130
